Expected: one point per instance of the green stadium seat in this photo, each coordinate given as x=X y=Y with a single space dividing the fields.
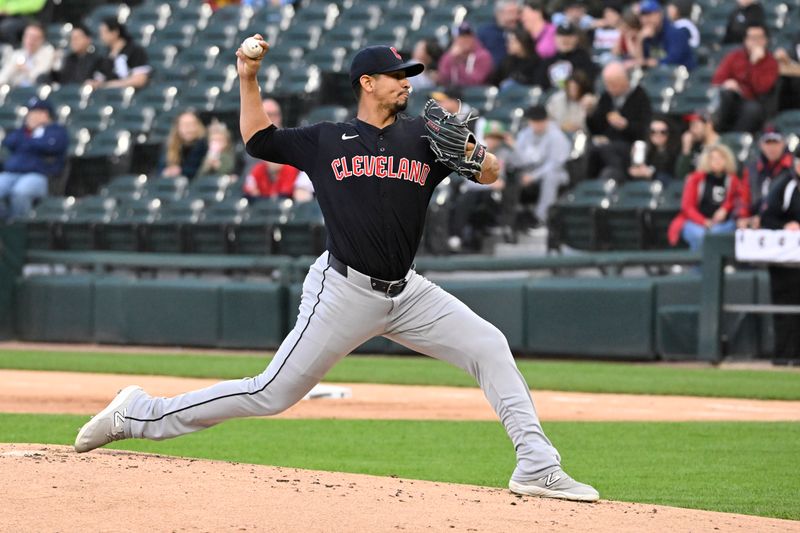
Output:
x=659 y=218
x=574 y=218
x=303 y=233
x=167 y=189
x=622 y=225
x=253 y=236
x=331 y=113
x=392 y=35
x=126 y=187
x=122 y=234
x=167 y=234
x=80 y=231
x=212 y=188
x=43 y=224
x=214 y=232
x=480 y=97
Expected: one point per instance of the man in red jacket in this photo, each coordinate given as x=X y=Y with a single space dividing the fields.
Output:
x=746 y=78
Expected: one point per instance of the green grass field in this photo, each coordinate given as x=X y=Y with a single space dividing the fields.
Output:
x=542 y=375
x=749 y=468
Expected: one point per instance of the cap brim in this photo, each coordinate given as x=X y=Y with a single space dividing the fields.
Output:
x=411 y=68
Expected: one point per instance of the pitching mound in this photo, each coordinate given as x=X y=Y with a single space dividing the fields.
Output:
x=51 y=488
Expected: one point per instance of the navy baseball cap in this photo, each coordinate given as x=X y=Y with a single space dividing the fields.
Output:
x=380 y=60
x=38 y=103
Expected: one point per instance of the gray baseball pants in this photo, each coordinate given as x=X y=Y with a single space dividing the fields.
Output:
x=337 y=314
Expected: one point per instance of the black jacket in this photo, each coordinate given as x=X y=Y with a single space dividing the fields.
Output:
x=636 y=109
x=740 y=19
x=554 y=71
x=783 y=203
x=78 y=69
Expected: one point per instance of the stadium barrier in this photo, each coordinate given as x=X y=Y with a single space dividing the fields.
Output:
x=251 y=302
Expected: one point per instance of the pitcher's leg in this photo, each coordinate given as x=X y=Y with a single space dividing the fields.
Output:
x=334 y=319
x=433 y=322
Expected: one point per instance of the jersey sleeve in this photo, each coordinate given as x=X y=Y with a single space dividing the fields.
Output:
x=290 y=146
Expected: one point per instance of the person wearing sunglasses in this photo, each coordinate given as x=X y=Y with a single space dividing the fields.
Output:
x=661 y=150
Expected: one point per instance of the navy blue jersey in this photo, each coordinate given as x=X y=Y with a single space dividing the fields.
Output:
x=373 y=186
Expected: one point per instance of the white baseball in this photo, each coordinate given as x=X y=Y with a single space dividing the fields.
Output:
x=251 y=47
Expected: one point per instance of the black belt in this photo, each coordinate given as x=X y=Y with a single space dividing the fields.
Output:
x=389 y=288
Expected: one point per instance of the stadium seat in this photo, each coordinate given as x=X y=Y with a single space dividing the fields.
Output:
x=739 y=143
x=659 y=218
x=366 y=14
x=167 y=189
x=43 y=224
x=481 y=97
x=622 y=225
x=331 y=113
x=253 y=236
x=348 y=36
x=392 y=35
x=211 y=188
x=214 y=233
x=125 y=188
x=303 y=233
x=80 y=231
x=123 y=232
x=573 y=219
x=167 y=234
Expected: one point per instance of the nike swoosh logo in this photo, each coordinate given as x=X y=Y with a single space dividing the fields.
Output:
x=346 y=136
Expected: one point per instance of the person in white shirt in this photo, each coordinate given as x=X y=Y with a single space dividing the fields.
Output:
x=34 y=58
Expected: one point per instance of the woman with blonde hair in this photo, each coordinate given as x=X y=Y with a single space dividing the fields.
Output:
x=713 y=198
x=186 y=147
x=221 y=156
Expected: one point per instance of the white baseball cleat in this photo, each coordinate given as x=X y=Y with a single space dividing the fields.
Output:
x=556 y=484
x=109 y=424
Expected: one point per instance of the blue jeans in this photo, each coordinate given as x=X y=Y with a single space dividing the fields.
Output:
x=694 y=233
x=18 y=192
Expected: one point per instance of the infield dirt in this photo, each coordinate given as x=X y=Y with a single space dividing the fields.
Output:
x=51 y=488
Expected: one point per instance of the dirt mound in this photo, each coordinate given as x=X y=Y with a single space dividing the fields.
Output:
x=51 y=488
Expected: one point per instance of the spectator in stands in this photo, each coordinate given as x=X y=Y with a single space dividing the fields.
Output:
x=662 y=42
x=221 y=156
x=789 y=69
x=575 y=12
x=429 y=53
x=746 y=78
x=570 y=57
x=567 y=107
x=620 y=117
x=773 y=162
x=748 y=13
x=34 y=58
x=713 y=199
x=659 y=159
x=782 y=212
x=533 y=18
x=37 y=153
x=493 y=34
x=127 y=63
x=541 y=152
x=186 y=147
x=476 y=206
x=270 y=180
x=629 y=48
x=607 y=30
x=466 y=62
x=520 y=64
x=699 y=135
x=15 y=16
x=680 y=13
x=82 y=63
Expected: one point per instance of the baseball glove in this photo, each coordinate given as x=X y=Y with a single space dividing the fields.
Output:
x=449 y=138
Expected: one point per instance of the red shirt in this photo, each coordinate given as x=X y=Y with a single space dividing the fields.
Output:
x=737 y=203
x=260 y=183
x=753 y=79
